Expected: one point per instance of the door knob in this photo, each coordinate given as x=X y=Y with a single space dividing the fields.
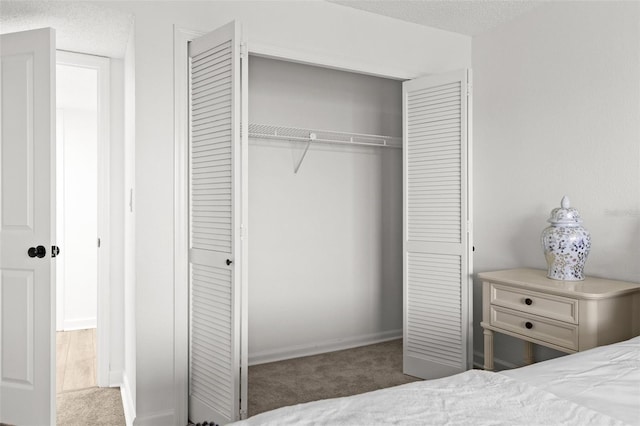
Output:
x=229 y=262
x=38 y=252
x=55 y=250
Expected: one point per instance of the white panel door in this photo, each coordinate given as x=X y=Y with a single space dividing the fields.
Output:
x=218 y=195
x=437 y=262
x=27 y=218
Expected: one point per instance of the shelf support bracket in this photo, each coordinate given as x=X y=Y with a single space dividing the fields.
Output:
x=312 y=137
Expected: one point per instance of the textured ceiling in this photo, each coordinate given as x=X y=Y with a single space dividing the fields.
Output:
x=471 y=17
x=80 y=26
x=89 y=28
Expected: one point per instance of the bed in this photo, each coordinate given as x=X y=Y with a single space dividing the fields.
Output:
x=599 y=387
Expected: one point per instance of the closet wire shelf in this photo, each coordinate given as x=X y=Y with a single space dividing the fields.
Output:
x=263 y=131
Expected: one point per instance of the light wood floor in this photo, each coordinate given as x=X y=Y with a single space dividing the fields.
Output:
x=75 y=360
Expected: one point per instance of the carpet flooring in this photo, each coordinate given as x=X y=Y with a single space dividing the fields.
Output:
x=329 y=375
x=93 y=406
x=272 y=385
x=78 y=400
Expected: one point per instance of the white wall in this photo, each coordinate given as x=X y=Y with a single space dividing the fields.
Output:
x=556 y=111
x=325 y=254
x=316 y=28
x=78 y=260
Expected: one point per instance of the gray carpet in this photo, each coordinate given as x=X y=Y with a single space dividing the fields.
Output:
x=92 y=406
x=271 y=386
x=329 y=375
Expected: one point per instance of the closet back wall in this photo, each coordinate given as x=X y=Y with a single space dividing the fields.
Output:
x=325 y=250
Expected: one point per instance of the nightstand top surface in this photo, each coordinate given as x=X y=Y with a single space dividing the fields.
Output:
x=536 y=279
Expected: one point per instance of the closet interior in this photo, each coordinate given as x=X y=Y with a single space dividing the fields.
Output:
x=325 y=209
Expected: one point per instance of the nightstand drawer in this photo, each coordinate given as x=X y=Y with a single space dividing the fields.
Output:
x=536 y=327
x=532 y=302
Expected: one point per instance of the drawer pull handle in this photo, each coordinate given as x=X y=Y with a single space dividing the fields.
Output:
x=528 y=301
x=529 y=325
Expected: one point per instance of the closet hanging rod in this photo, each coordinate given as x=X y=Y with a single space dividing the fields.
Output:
x=263 y=131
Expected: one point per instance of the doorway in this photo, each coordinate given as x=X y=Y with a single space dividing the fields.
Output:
x=82 y=141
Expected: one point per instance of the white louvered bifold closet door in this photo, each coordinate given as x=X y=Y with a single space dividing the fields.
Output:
x=437 y=267
x=216 y=204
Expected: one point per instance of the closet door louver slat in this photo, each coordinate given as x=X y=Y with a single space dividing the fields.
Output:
x=217 y=312
x=436 y=238
x=209 y=164
x=215 y=216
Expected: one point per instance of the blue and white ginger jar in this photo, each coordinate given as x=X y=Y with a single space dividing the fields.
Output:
x=566 y=244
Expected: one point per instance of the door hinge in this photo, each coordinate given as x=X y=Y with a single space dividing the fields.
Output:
x=469 y=89
x=98 y=242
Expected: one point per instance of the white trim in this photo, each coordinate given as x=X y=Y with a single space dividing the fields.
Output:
x=298 y=351
x=102 y=66
x=181 y=292
x=244 y=228
x=181 y=224
x=127 y=401
x=79 y=324
x=104 y=223
x=469 y=294
x=165 y=417
x=309 y=57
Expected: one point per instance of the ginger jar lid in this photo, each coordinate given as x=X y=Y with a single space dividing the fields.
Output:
x=565 y=215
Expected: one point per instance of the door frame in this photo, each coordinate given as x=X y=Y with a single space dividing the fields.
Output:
x=181 y=39
x=102 y=66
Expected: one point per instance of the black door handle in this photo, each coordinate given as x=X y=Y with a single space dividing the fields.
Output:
x=55 y=250
x=38 y=252
x=229 y=262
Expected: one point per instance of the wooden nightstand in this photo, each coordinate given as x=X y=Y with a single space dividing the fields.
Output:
x=568 y=316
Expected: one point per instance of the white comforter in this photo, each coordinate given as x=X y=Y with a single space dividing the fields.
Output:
x=606 y=379
x=471 y=398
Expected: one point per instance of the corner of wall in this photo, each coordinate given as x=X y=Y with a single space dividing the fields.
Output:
x=115 y=378
x=128 y=403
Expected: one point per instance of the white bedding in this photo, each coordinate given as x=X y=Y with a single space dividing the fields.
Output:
x=472 y=398
x=606 y=379
x=596 y=387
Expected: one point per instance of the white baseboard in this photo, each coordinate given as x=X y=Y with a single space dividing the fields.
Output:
x=127 y=401
x=79 y=324
x=166 y=417
x=297 y=351
x=498 y=364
